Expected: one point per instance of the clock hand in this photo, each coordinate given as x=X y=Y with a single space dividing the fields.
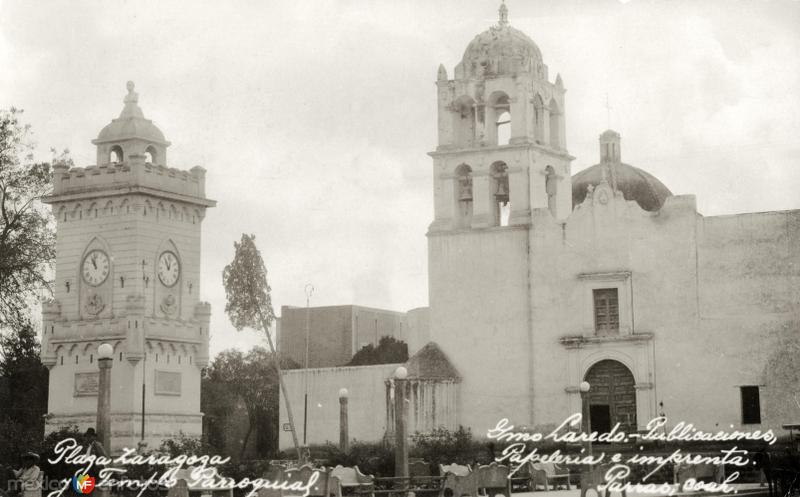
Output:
x=94 y=261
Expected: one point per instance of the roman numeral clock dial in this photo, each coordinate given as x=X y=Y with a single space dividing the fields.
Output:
x=169 y=269
x=95 y=267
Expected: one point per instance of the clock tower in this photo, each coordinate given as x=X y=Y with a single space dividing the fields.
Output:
x=128 y=274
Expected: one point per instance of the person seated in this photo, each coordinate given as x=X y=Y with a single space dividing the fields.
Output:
x=29 y=476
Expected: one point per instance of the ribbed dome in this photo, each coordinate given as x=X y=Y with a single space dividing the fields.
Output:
x=634 y=183
x=502 y=50
x=131 y=123
x=131 y=127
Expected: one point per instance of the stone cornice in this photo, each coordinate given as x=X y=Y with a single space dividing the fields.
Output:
x=99 y=338
x=468 y=231
x=127 y=190
x=448 y=151
x=606 y=276
x=578 y=341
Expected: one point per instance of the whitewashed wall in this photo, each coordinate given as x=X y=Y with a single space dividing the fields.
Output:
x=366 y=404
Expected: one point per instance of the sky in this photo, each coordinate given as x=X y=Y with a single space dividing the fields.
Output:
x=314 y=119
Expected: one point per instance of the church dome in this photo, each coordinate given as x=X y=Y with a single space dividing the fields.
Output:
x=502 y=50
x=131 y=123
x=634 y=183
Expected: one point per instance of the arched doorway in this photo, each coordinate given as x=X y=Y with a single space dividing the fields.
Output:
x=612 y=398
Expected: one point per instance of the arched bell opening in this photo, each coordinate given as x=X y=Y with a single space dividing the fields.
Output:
x=150 y=155
x=115 y=155
x=463 y=195
x=499 y=115
x=500 y=194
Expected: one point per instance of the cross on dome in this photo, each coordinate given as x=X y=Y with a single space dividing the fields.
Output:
x=503 y=14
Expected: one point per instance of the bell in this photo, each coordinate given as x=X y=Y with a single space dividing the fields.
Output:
x=502 y=192
x=465 y=189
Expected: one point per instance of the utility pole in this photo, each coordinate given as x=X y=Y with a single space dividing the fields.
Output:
x=309 y=289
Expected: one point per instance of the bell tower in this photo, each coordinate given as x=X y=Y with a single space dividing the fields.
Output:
x=128 y=274
x=500 y=167
x=502 y=150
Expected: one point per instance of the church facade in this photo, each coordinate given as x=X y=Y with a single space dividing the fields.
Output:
x=540 y=279
x=128 y=274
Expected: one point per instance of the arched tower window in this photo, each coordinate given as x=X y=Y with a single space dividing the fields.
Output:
x=464 y=121
x=501 y=200
x=538 y=119
x=463 y=194
x=555 y=125
x=501 y=117
x=551 y=188
x=115 y=155
x=150 y=155
x=504 y=128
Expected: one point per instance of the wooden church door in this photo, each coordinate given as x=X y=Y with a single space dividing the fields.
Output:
x=612 y=398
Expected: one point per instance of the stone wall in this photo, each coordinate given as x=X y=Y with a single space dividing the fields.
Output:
x=366 y=410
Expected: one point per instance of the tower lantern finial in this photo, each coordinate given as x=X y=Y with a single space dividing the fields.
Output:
x=503 y=13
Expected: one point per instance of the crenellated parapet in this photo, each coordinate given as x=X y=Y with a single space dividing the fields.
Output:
x=127 y=177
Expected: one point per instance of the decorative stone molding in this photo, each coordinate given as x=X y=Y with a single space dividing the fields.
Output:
x=578 y=341
x=94 y=305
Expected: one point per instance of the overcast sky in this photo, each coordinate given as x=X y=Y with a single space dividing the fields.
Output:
x=313 y=119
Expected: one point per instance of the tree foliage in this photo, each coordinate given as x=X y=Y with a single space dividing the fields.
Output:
x=27 y=239
x=23 y=390
x=389 y=351
x=249 y=305
x=252 y=377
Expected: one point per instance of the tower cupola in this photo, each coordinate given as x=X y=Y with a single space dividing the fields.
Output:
x=131 y=135
x=609 y=146
x=634 y=183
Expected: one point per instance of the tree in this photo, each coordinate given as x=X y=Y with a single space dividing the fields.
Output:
x=253 y=378
x=217 y=403
x=27 y=239
x=249 y=305
x=389 y=351
x=25 y=376
x=23 y=398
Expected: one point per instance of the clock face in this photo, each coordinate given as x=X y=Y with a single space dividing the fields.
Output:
x=95 y=267
x=169 y=269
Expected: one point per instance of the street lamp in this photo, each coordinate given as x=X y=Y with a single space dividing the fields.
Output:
x=586 y=423
x=105 y=353
x=401 y=443
x=343 y=428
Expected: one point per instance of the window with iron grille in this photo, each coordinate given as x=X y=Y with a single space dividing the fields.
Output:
x=606 y=311
x=751 y=405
